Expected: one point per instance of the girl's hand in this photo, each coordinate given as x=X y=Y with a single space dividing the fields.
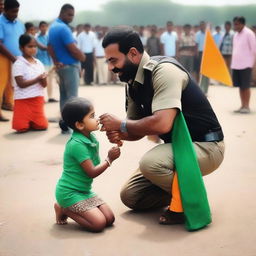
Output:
x=42 y=76
x=114 y=153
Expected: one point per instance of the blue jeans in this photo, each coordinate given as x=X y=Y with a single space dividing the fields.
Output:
x=69 y=82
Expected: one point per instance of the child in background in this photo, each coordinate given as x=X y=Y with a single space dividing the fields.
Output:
x=81 y=164
x=45 y=58
x=29 y=83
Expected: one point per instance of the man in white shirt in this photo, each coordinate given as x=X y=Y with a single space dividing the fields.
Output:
x=101 y=63
x=86 y=43
x=169 y=40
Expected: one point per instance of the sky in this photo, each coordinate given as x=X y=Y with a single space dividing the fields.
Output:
x=49 y=9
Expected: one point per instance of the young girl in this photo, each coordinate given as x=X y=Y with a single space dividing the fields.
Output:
x=29 y=82
x=81 y=164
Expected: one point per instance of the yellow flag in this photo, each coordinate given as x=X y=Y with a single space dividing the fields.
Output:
x=213 y=64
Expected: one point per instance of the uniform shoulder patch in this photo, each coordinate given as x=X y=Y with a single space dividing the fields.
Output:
x=150 y=65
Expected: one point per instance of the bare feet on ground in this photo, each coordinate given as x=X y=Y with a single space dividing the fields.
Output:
x=61 y=218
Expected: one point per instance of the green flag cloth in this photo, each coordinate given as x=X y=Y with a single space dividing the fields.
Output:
x=193 y=194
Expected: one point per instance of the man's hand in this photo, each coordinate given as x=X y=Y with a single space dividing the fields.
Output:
x=114 y=137
x=58 y=65
x=110 y=122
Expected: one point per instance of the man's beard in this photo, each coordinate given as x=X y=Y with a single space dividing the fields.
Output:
x=128 y=71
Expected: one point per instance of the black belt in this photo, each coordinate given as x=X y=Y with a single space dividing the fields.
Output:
x=208 y=137
x=214 y=136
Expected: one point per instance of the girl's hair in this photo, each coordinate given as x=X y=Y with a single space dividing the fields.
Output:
x=25 y=39
x=75 y=110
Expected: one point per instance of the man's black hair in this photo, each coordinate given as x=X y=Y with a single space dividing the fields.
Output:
x=75 y=110
x=187 y=26
x=240 y=19
x=66 y=7
x=25 y=39
x=228 y=23
x=11 y=4
x=28 y=25
x=42 y=23
x=125 y=37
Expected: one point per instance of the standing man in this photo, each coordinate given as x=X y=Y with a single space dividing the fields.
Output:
x=158 y=88
x=227 y=44
x=217 y=36
x=243 y=59
x=100 y=60
x=66 y=56
x=10 y=31
x=186 y=50
x=200 y=37
x=86 y=43
x=169 y=40
x=153 y=44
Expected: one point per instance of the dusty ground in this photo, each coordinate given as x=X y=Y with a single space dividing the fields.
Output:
x=30 y=165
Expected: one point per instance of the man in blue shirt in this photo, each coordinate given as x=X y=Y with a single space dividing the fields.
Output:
x=217 y=36
x=66 y=56
x=10 y=31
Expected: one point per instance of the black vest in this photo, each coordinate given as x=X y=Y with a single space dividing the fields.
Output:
x=197 y=111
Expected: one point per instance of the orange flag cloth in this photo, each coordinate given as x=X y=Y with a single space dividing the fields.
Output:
x=213 y=64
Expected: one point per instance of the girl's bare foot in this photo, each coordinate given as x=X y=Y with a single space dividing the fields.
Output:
x=61 y=218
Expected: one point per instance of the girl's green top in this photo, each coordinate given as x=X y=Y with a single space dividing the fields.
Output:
x=74 y=184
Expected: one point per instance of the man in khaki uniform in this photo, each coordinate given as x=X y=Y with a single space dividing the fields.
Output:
x=158 y=88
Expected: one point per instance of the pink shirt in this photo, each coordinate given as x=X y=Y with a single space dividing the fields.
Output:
x=244 y=49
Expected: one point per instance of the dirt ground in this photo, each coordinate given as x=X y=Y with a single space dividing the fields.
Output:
x=31 y=163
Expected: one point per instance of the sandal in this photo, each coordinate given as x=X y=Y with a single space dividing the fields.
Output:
x=172 y=218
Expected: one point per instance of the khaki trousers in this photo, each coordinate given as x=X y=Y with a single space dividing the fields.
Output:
x=50 y=78
x=150 y=185
x=6 y=89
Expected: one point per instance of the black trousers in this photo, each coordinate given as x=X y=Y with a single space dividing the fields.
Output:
x=88 y=66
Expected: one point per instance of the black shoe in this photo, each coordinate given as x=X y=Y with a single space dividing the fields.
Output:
x=172 y=218
x=52 y=100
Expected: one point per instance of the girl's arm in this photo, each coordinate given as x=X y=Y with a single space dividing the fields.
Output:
x=22 y=83
x=94 y=171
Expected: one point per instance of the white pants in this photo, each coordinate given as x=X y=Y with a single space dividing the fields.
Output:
x=102 y=70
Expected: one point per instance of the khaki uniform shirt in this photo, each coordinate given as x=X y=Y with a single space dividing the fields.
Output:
x=168 y=82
